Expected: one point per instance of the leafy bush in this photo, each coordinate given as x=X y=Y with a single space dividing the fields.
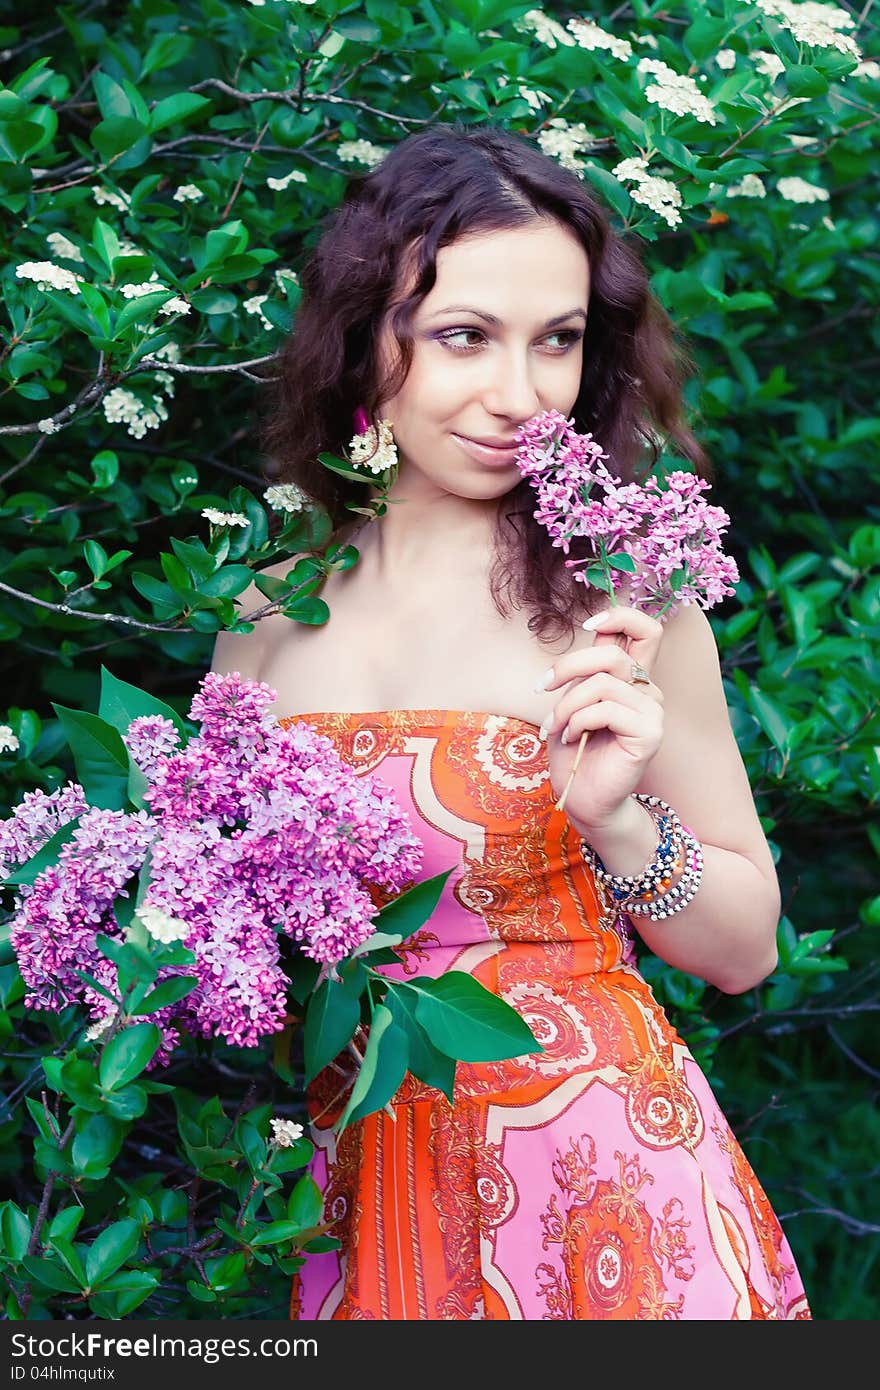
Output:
x=164 y=169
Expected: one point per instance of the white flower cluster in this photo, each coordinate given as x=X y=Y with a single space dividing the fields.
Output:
x=565 y=141
x=588 y=35
x=62 y=246
x=188 y=193
x=673 y=92
x=546 y=30
x=171 y=306
x=161 y=925
x=767 y=63
x=8 y=741
x=867 y=69
x=109 y=195
x=95 y=1030
x=285 y=1133
x=254 y=305
x=660 y=195
x=817 y=25
x=361 y=152
x=47 y=275
x=279 y=185
x=218 y=518
x=48 y=426
x=123 y=405
x=796 y=190
x=363 y=445
x=750 y=186
x=286 y=497
x=726 y=59
x=533 y=96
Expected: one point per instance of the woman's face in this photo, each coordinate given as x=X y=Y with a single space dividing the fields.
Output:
x=497 y=340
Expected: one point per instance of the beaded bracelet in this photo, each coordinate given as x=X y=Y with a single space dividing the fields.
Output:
x=645 y=894
x=658 y=874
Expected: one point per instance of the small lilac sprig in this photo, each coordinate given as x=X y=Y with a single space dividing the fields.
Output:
x=663 y=543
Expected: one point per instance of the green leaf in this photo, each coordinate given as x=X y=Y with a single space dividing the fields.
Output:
x=141 y=310
x=49 y=1274
x=121 y=702
x=332 y=1015
x=406 y=913
x=806 y=81
x=100 y=757
x=382 y=1070
x=117 y=135
x=227 y=582
x=110 y=1249
x=305 y=1206
x=433 y=1067
x=279 y=1231
x=167 y=992
x=15 y=1231
x=773 y=720
x=126 y=1055
x=467 y=1022
x=96 y=1144
x=178 y=107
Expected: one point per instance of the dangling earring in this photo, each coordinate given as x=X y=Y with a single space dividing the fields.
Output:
x=378 y=455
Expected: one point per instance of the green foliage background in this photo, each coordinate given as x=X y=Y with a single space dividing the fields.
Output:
x=124 y=1195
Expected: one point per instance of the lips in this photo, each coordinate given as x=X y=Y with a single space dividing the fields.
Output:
x=500 y=455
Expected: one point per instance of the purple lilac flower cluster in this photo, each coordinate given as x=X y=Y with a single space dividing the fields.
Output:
x=252 y=831
x=669 y=530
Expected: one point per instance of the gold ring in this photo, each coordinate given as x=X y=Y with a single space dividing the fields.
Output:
x=639 y=675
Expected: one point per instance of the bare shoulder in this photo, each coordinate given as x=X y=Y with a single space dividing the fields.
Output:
x=245 y=652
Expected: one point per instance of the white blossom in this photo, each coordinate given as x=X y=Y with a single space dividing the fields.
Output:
x=286 y=497
x=218 y=518
x=867 y=69
x=662 y=196
x=674 y=92
x=48 y=426
x=565 y=141
x=168 y=352
x=285 y=1133
x=363 y=445
x=800 y=140
x=188 y=193
x=726 y=59
x=634 y=168
x=254 y=305
x=750 y=186
x=826 y=222
x=109 y=195
x=797 y=190
x=175 y=306
x=545 y=29
x=361 y=152
x=8 y=741
x=161 y=925
x=767 y=63
x=647 y=39
x=588 y=35
x=64 y=247
x=818 y=26
x=123 y=405
x=279 y=185
x=129 y=291
x=47 y=275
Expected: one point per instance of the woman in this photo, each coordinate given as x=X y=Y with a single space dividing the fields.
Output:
x=465 y=285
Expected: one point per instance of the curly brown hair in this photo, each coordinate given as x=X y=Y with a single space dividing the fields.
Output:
x=445 y=182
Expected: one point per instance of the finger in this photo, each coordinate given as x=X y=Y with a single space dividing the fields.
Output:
x=586 y=662
x=617 y=718
x=595 y=689
x=638 y=632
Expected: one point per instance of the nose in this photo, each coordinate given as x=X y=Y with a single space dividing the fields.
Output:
x=511 y=391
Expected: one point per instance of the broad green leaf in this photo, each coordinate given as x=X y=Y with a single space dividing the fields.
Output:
x=110 y=1249
x=178 y=107
x=126 y=1055
x=467 y=1022
x=49 y=1273
x=167 y=992
x=433 y=1067
x=121 y=702
x=15 y=1231
x=332 y=1015
x=100 y=757
x=44 y=858
x=407 y=912
x=96 y=1144
x=305 y=1206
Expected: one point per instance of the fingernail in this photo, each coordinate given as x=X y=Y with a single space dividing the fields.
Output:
x=595 y=620
x=545 y=680
x=564 y=736
x=545 y=728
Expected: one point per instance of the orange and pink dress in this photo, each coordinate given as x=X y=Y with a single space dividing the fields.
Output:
x=597 y=1178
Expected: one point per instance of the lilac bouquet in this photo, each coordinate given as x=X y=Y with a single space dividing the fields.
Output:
x=202 y=877
x=662 y=542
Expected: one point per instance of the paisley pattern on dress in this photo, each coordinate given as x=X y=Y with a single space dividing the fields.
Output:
x=594 y=1179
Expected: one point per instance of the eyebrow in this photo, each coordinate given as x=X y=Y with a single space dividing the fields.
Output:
x=496 y=322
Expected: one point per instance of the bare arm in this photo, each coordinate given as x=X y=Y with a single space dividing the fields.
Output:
x=727 y=934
